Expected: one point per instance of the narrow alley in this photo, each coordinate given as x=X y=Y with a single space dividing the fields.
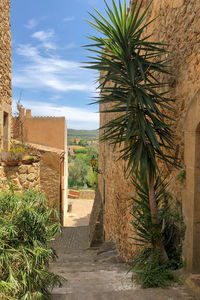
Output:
x=88 y=279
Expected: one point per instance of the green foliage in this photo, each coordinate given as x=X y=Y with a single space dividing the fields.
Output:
x=141 y=108
x=18 y=148
x=81 y=173
x=144 y=229
x=149 y=272
x=83 y=142
x=28 y=157
x=173 y=234
x=27 y=227
x=80 y=150
x=91 y=151
x=135 y=66
x=77 y=173
x=83 y=134
x=91 y=179
x=181 y=176
x=147 y=267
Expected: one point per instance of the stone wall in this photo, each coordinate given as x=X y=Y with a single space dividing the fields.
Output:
x=96 y=233
x=86 y=194
x=50 y=178
x=178 y=24
x=21 y=177
x=5 y=75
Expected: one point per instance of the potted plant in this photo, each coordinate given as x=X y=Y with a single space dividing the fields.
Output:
x=28 y=159
x=10 y=159
x=36 y=158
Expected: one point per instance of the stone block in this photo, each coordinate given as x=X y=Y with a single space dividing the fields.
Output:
x=22 y=178
x=177 y=3
x=26 y=185
x=23 y=169
x=15 y=181
x=31 y=169
x=31 y=177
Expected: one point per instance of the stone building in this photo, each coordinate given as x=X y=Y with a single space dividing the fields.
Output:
x=49 y=136
x=5 y=75
x=178 y=25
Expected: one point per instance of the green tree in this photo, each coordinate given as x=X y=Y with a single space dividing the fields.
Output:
x=91 y=151
x=78 y=173
x=80 y=150
x=83 y=143
x=92 y=179
x=137 y=96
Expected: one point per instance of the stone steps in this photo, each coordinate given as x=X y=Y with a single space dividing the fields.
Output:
x=88 y=279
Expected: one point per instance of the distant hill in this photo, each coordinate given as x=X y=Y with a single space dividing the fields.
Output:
x=83 y=134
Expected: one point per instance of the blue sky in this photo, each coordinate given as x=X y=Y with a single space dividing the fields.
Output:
x=47 y=36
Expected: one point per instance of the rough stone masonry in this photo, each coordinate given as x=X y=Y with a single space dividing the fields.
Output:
x=5 y=74
x=178 y=26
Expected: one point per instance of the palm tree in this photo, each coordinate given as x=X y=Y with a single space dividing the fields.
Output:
x=134 y=65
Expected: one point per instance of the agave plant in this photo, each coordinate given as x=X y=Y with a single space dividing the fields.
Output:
x=126 y=57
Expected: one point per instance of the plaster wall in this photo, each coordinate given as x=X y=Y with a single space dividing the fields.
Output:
x=48 y=131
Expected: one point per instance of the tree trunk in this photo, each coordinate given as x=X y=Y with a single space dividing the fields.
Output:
x=154 y=215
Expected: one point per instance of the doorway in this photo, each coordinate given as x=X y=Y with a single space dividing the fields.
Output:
x=5 y=131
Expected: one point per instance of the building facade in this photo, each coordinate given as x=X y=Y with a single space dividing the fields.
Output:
x=178 y=25
x=5 y=75
x=49 y=136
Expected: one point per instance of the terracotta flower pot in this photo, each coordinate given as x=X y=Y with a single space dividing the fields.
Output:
x=11 y=163
x=36 y=159
x=27 y=161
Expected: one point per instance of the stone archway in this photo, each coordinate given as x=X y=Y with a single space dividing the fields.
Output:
x=191 y=199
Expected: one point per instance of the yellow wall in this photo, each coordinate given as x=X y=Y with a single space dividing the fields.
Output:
x=48 y=131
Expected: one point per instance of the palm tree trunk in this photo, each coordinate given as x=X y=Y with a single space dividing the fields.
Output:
x=154 y=216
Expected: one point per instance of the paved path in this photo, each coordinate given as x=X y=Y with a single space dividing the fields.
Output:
x=89 y=280
x=80 y=214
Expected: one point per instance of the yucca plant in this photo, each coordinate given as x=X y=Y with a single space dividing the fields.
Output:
x=145 y=233
x=134 y=66
x=146 y=265
x=27 y=227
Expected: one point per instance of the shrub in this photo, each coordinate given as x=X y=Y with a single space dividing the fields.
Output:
x=10 y=156
x=27 y=227
x=80 y=150
x=148 y=269
x=149 y=272
x=18 y=148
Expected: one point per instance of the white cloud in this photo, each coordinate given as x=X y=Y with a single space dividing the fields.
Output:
x=32 y=23
x=76 y=118
x=45 y=38
x=41 y=71
x=68 y=19
x=70 y=46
